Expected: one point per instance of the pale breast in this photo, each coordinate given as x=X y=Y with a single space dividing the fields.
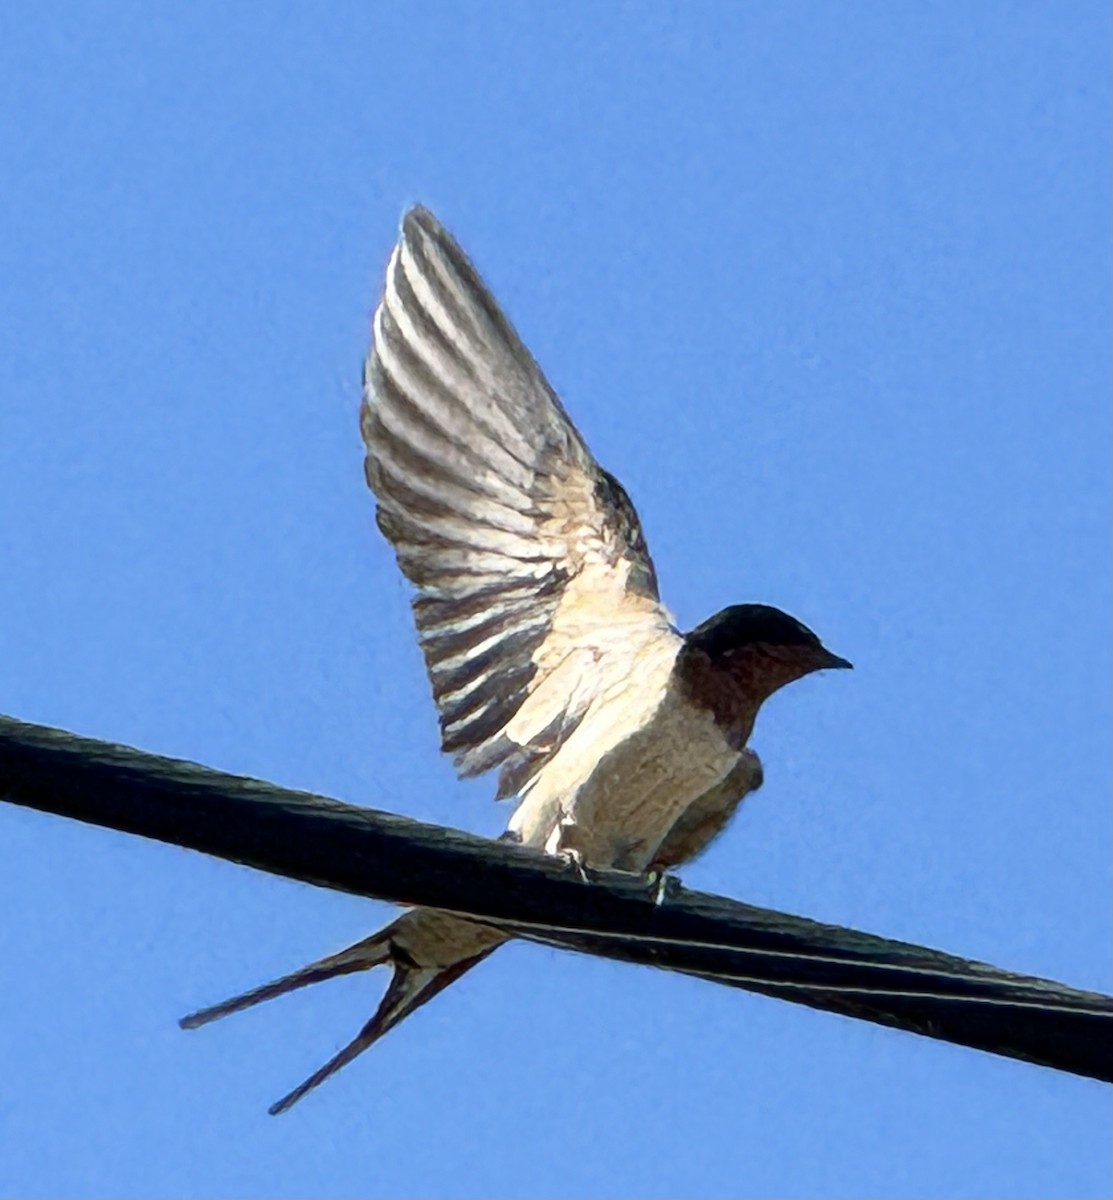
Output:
x=641 y=755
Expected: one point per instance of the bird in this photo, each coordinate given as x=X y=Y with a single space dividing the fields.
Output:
x=550 y=654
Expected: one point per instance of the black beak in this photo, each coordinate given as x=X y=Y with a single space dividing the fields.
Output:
x=832 y=662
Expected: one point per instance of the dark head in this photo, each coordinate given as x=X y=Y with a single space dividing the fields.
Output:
x=742 y=655
x=748 y=628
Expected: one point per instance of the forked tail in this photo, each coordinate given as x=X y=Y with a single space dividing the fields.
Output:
x=426 y=949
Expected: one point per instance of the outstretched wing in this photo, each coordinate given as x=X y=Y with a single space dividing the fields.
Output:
x=527 y=557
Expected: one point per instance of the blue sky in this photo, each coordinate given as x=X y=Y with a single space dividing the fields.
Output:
x=827 y=287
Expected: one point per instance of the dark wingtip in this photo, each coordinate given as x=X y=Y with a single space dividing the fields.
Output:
x=419 y=219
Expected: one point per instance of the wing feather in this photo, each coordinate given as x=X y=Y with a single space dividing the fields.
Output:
x=525 y=555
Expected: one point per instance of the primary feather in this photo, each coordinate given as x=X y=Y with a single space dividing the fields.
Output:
x=523 y=551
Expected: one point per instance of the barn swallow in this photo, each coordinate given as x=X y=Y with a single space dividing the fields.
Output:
x=549 y=652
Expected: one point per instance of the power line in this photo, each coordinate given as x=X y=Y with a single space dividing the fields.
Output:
x=387 y=857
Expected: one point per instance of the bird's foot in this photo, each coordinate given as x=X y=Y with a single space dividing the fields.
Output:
x=575 y=858
x=569 y=847
x=660 y=885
